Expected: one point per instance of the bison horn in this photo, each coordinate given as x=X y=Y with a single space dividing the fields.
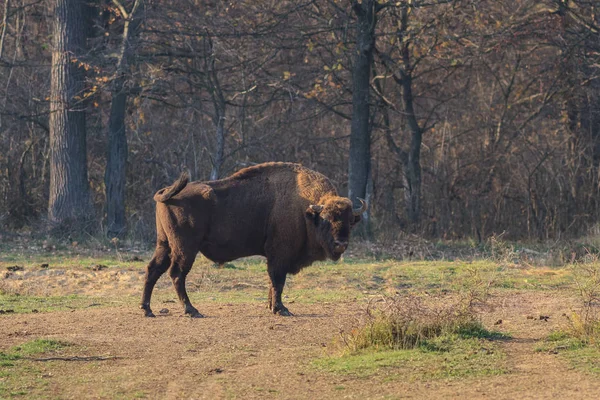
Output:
x=316 y=208
x=362 y=208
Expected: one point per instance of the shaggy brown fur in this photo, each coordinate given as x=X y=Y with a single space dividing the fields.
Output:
x=285 y=212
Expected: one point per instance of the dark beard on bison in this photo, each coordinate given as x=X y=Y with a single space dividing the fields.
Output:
x=336 y=248
x=336 y=256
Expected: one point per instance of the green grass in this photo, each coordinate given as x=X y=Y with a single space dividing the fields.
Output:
x=446 y=357
x=433 y=276
x=21 y=377
x=580 y=354
x=418 y=337
x=584 y=358
x=33 y=347
x=246 y=280
x=37 y=346
x=358 y=274
x=579 y=340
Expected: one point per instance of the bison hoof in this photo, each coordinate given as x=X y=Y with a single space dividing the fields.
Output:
x=147 y=311
x=284 y=312
x=193 y=313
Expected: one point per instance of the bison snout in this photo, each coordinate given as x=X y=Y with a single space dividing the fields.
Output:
x=340 y=247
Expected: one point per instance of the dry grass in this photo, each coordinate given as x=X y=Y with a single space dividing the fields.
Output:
x=585 y=324
x=407 y=322
x=410 y=321
x=579 y=340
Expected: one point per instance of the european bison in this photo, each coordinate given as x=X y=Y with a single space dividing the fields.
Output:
x=285 y=212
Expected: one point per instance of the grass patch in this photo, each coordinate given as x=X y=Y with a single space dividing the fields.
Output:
x=31 y=348
x=409 y=322
x=445 y=357
x=579 y=353
x=38 y=346
x=20 y=376
x=579 y=340
x=413 y=338
x=585 y=359
x=245 y=280
x=559 y=341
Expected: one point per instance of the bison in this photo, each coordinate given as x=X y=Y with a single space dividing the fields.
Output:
x=288 y=213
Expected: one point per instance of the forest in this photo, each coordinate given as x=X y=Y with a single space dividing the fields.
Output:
x=453 y=118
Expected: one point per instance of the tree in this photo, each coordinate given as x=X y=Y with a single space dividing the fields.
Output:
x=474 y=117
x=359 y=162
x=579 y=46
x=116 y=157
x=214 y=88
x=411 y=158
x=69 y=204
x=400 y=61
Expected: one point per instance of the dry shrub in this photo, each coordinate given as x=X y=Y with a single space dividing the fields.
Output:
x=4 y=289
x=502 y=252
x=475 y=285
x=585 y=325
x=22 y=288
x=408 y=322
x=587 y=279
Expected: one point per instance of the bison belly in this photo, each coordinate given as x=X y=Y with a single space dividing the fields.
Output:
x=221 y=252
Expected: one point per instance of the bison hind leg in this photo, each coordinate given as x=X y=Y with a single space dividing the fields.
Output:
x=180 y=267
x=156 y=267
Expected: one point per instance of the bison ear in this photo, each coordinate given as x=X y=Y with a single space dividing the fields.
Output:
x=356 y=220
x=313 y=211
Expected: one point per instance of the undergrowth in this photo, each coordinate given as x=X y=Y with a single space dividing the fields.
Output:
x=409 y=322
x=420 y=336
x=584 y=325
x=579 y=339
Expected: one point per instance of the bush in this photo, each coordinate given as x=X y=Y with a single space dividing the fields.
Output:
x=585 y=324
x=409 y=322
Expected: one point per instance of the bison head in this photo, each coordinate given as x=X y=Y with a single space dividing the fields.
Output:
x=333 y=219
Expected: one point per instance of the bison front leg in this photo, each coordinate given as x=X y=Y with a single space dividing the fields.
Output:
x=277 y=284
x=180 y=267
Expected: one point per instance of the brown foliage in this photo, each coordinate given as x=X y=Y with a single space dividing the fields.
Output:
x=505 y=93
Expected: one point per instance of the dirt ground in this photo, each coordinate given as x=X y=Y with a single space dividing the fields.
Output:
x=241 y=351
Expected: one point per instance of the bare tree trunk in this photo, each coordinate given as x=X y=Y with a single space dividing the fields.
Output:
x=116 y=158
x=2 y=37
x=359 y=163
x=411 y=158
x=219 y=104
x=220 y=149
x=412 y=163
x=69 y=205
x=4 y=25
x=116 y=162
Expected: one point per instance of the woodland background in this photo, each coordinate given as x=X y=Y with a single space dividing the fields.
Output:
x=453 y=118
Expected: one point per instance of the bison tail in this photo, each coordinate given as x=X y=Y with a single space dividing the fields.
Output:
x=166 y=193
